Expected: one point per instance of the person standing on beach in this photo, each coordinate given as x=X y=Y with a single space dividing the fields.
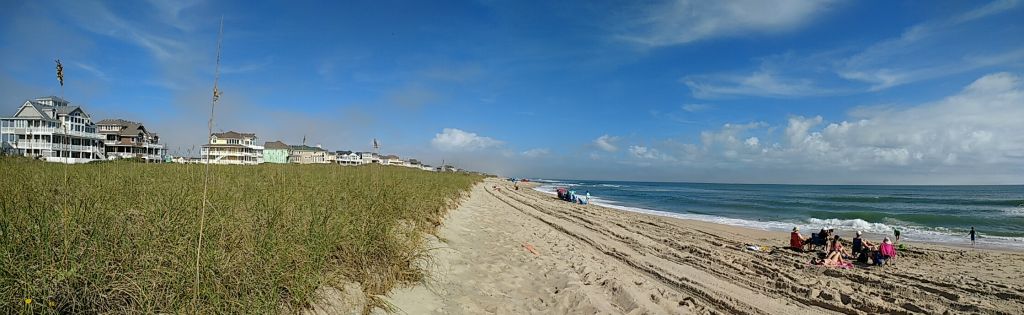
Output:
x=973 y=235
x=896 y=233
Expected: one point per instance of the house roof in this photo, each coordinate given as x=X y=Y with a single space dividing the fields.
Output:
x=52 y=97
x=44 y=109
x=64 y=109
x=276 y=145
x=117 y=121
x=305 y=148
x=343 y=152
x=233 y=135
x=129 y=128
x=391 y=157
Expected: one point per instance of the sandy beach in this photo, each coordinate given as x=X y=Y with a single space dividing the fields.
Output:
x=506 y=251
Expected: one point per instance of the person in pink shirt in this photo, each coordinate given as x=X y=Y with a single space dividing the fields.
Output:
x=886 y=251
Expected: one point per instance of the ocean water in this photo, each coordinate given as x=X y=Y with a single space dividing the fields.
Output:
x=938 y=214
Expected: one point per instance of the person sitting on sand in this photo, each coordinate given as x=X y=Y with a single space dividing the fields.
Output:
x=834 y=256
x=837 y=246
x=860 y=244
x=861 y=248
x=886 y=251
x=796 y=241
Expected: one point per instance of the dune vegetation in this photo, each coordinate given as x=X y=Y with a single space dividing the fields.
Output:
x=121 y=237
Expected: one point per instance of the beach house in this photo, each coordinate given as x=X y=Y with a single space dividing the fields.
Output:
x=129 y=139
x=391 y=160
x=276 y=152
x=304 y=154
x=233 y=148
x=348 y=158
x=369 y=157
x=52 y=129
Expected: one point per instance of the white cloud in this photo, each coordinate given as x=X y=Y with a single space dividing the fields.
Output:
x=974 y=136
x=752 y=142
x=451 y=139
x=535 y=153
x=684 y=21
x=797 y=129
x=643 y=152
x=606 y=143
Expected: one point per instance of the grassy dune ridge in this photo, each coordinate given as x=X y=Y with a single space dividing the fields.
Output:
x=125 y=238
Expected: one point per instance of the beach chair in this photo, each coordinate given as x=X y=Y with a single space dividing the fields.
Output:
x=817 y=241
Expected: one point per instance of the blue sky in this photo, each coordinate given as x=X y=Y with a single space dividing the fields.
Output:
x=837 y=92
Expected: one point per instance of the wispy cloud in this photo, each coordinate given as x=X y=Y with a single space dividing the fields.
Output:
x=897 y=61
x=928 y=50
x=693 y=108
x=246 y=67
x=536 y=153
x=762 y=83
x=682 y=21
x=92 y=69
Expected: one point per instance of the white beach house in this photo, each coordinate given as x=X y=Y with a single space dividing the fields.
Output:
x=233 y=148
x=50 y=128
x=348 y=158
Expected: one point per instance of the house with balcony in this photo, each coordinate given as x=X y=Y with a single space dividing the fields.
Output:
x=392 y=160
x=348 y=158
x=232 y=148
x=369 y=157
x=129 y=139
x=52 y=129
x=304 y=154
x=276 y=152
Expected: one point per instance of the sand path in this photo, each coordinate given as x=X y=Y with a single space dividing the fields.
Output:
x=597 y=260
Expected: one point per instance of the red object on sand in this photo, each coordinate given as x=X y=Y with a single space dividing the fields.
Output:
x=530 y=248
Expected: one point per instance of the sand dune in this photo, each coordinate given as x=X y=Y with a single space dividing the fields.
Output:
x=591 y=259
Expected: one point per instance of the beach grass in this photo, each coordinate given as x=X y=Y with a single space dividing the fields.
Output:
x=121 y=237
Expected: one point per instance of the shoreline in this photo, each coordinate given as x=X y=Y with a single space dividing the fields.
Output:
x=507 y=251
x=845 y=233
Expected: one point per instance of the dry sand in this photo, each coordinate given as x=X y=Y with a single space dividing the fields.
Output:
x=591 y=259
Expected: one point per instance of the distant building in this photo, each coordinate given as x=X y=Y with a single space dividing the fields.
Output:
x=391 y=160
x=348 y=158
x=129 y=139
x=276 y=152
x=304 y=154
x=233 y=148
x=369 y=157
x=50 y=128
